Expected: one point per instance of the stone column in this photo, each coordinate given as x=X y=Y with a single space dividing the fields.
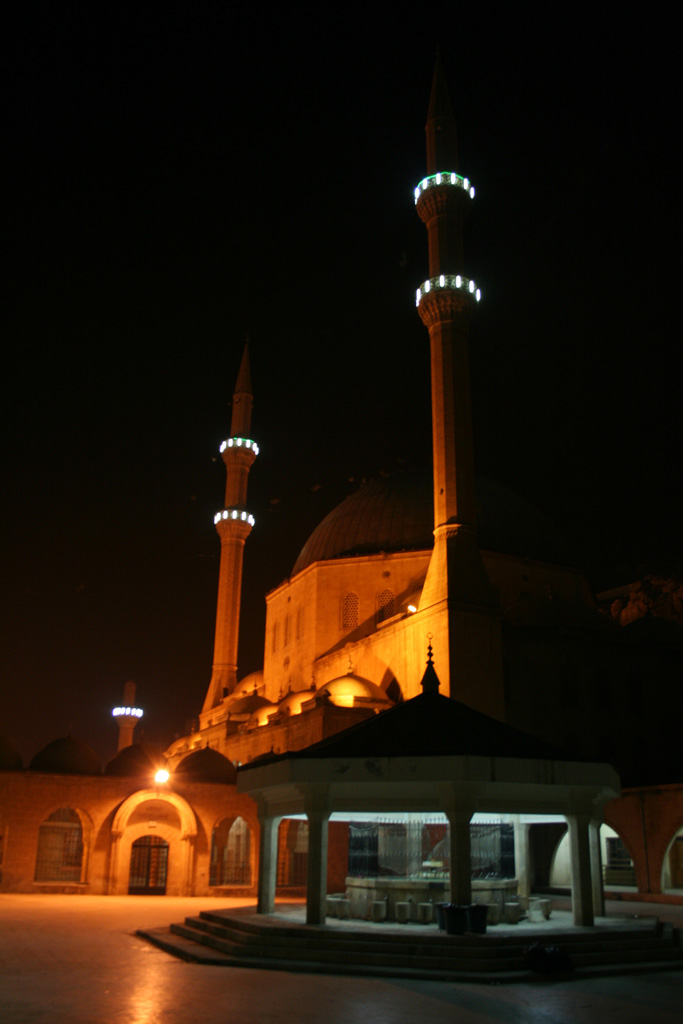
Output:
x=187 y=846
x=580 y=853
x=316 y=878
x=461 y=856
x=267 y=866
x=596 y=868
x=522 y=859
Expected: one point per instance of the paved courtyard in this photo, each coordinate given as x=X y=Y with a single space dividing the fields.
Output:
x=72 y=960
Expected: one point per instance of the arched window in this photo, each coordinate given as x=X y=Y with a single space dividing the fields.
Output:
x=230 y=853
x=292 y=853
x=60 y=847
x=288 y=630
x=349 y=611
x=299 y=623
x=276 y=637
x=385 y=605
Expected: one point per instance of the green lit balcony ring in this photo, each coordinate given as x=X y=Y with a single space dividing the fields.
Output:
x=239 y=442
x=234 y=513
x=445 y=178
x=448 y=282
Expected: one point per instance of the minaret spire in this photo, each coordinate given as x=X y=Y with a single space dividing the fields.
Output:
x=457 y=585
x=233 y=524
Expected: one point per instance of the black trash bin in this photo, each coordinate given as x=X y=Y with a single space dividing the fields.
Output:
x=440 y=916
x=456 y=919
x=476 y=918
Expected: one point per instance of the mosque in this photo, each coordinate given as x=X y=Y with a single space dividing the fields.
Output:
x=537 y=682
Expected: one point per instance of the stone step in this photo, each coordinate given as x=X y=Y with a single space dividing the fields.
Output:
x=322 y=953
x=222 y=939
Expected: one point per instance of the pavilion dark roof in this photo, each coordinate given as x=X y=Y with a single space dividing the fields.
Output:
x=430 y=725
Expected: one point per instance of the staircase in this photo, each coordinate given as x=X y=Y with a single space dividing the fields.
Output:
x=231 y=939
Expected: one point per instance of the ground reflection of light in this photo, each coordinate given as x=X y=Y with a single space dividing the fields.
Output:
x=147 y=1000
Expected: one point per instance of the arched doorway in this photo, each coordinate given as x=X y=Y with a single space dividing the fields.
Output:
x=148 y=867
x=230 y=853
x=672 y=866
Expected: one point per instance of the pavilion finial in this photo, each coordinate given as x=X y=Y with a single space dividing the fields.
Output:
x=430 y=680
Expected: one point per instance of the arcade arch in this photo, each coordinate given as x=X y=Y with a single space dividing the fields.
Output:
x=166 y=818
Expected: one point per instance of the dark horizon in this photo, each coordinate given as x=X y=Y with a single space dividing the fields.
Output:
x=176 y=185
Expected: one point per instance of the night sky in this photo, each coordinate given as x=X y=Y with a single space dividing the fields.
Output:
x=178 y=177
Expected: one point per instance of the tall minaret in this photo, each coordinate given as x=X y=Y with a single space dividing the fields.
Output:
x=234 y=525
x=457 y=588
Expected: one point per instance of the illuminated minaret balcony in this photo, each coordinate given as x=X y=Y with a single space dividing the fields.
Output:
x=448 y=282
x=244 y=443
x=230 y=515
x=445 y=178
x=127 y=716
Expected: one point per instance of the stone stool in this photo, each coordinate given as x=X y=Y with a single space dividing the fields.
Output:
x=494 y=913
x=402 y=912
x=343 y=908
x=512 y=913
x=425 y=913
x=378 y=910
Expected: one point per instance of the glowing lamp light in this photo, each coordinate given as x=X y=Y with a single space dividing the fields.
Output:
x=447 y=281
x=234 y=514
x=443 y=178
x=162 y=775
x=127 y=712
x=412 y=609
x=239 y=442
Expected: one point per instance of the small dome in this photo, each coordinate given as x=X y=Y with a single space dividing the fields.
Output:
x=254 y=681
x=137 y=759
x=243 y=707
x=291 y=704
x=10 y=758
x=67 y=756
x=353 y=691
x=206 y=765
x=261 y=714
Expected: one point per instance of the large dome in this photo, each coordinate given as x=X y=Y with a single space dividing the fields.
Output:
x=67 y=756
x=137 y=759
x=395 y=513
x=10 y=758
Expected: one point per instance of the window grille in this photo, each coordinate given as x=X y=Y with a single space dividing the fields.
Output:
x=148 y=866
x=288 y=630
x=299 y=623
x=230 y=853
x=292 y=860
x=350 y=611
x=60 y=847
x=385 y=605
